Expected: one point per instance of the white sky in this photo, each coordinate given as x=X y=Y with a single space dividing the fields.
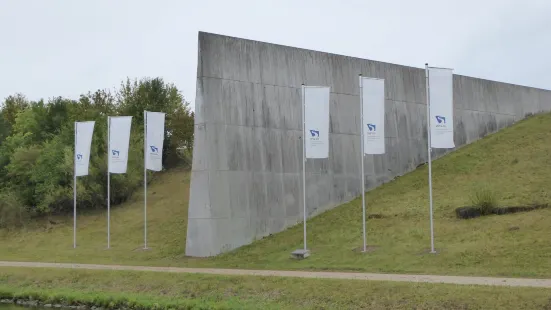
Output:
x=67 y=47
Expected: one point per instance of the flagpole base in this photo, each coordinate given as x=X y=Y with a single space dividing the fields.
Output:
x=300 y=254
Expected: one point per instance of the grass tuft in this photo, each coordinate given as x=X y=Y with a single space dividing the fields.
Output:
x=485 y=199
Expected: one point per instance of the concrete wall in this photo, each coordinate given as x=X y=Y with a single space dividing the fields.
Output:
x=246 y=178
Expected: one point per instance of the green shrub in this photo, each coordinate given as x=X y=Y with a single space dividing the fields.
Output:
x=37 y=145
x=484 y=199
x=12 y=212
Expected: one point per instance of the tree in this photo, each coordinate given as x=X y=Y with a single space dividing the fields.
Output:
x=37 y=137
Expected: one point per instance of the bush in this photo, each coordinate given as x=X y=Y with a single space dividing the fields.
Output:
x=12 y=212
x=37 y=146
x=485 y=200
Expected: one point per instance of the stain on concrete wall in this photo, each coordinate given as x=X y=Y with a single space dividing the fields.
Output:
x=247 y=157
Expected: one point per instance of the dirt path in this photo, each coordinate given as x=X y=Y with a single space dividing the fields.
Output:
x=304 y=274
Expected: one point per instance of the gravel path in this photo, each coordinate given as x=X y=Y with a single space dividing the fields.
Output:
x=304 y=274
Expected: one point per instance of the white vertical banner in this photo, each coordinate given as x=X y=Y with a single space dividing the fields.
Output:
x=315 y=142
x=155 y=124
x=83 y=141
x=439 y=95
x=154 y=135
x=440 y=81
x=119 y=139
x=373 y=126
x=316 y=121
x=372 y=131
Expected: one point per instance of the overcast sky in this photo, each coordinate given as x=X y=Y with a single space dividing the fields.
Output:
x=66 y=47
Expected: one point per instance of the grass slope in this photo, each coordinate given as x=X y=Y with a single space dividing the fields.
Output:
x=205 y=291
x=168 y=197
x=515 y=163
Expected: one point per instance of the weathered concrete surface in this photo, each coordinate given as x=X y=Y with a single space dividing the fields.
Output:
x=246 y=178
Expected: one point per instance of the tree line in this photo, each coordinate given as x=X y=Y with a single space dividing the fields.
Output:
x=37 y=145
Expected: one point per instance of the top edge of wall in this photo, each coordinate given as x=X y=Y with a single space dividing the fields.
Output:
x=204 y=34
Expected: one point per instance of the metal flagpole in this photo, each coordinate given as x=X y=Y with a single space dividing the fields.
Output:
x=429 y=148
x=75 y=190
x=362 y=165
x=304 y=163
x=108 y=182
x=145 y=179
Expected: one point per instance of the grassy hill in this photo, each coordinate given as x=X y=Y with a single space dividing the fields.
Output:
x=515 y=164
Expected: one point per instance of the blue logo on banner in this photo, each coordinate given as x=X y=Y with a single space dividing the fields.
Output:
x=315 y=133
x=154 y=149
x=371 y=127
x=79 y=156
x=115 y=152
x=440 y=119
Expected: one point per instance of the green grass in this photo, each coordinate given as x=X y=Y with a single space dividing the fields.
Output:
x=179 y=290
x=514 y=163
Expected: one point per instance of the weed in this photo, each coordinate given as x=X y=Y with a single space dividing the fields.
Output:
x=485 y=199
